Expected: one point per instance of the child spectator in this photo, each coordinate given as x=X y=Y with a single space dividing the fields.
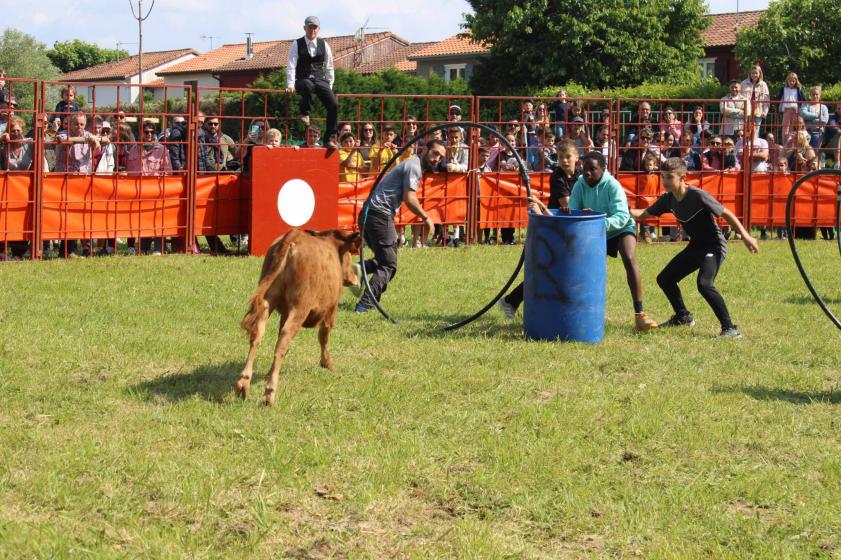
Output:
x=650 y=163
x=790 y=97
x=755 y=89
x=696 y=211
x=560 y=109
x=382 y=151
x=64 y=107
x=366 y=142
x=351 y=164
x=548 y=159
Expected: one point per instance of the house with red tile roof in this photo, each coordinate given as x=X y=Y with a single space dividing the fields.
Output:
x=376 y=52
x=452 y=58
x=201 y=70
x=719 y=41
x=125 y=72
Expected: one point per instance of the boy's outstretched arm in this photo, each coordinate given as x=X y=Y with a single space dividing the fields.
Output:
x=640 y=215
x=747 y=238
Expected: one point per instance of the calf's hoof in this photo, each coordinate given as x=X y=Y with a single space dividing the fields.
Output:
x=269 y=397
x=242 y=388
x=327 y=364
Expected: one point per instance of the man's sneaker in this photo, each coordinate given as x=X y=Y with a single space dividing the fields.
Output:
x=730 y=332
x=360 y=282
x=643 y=322
x=361 y=308
x=685 y=320
x=507 y=309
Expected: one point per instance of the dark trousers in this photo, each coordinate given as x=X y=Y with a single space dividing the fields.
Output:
x=686 y=262
x=381 y=238
x=515 y=296
x=321 y=88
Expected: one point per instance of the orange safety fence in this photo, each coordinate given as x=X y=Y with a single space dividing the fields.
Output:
x=444 y=197
x=814 y=204
x=223 y=204
x=502 y=198
x=16 y=206
x=107 y=206
x=196 y=197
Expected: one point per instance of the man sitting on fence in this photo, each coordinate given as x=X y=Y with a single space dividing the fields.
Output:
x=310 y=70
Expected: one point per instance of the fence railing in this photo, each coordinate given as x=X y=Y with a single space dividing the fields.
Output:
x=175 y=164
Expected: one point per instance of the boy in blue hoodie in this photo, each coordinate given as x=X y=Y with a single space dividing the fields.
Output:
x=598 y=190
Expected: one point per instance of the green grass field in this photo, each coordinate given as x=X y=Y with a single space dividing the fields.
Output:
x=120 y=436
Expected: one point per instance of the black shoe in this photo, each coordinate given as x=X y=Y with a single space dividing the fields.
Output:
x=456 y=243
x=730 y=332
x=685 y=320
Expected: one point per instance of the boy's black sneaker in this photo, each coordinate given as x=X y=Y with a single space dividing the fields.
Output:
x=685 y=320
x=730 y=332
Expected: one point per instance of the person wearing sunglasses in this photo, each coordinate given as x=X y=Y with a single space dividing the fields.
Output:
x=310 y=71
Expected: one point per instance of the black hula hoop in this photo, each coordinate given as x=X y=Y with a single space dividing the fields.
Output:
x=414 y=140
x=790 y=230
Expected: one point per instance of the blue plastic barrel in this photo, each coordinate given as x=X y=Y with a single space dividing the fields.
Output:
x=565 y=284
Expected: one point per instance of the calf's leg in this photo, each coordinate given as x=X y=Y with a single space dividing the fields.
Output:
x=323 y=337
x=256 y=328
x=289 y=327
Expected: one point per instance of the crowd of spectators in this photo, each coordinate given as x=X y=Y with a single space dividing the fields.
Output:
x=794 y=132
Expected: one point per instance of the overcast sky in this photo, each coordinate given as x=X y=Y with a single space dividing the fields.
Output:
x=177 y=24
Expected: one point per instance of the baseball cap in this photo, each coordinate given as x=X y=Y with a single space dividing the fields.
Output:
x=455 y=108
x=312 y=20
x=577 y=119
x=106 y=124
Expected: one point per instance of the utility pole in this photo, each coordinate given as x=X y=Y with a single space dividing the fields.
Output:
x=140 y=19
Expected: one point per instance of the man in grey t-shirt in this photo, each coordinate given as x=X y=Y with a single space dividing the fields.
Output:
x=398 y=186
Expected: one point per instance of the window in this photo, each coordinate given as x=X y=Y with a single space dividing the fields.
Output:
x=455 y=72
x=707 y=67
x=91 y=89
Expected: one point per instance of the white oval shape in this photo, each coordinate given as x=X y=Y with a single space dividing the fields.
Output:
x=295 y=202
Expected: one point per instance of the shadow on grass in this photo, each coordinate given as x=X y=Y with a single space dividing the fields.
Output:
x=762 y=393
x=211 y=383
x=809 y=300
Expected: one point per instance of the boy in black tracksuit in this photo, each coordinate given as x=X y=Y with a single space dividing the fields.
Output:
x=696 y=210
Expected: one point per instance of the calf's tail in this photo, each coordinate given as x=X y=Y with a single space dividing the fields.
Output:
x=259 y=307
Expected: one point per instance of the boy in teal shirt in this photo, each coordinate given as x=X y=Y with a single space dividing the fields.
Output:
x=598 y=190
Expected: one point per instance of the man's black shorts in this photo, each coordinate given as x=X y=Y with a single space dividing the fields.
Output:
x=613 y=243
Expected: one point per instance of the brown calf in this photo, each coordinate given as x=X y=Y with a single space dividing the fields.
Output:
x=302 y=278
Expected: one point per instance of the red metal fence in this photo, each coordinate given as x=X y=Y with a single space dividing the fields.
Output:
x=175 y=163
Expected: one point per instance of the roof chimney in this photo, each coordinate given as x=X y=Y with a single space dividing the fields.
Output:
x=249 y=47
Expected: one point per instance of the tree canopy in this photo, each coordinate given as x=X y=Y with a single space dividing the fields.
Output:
x=798 y=36
x=595 y=43
x=21 y=56
x=73 y=55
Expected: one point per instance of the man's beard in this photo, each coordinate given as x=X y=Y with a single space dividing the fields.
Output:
x=426 y=164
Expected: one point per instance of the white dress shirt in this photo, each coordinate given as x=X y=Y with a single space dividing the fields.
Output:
x=329 y=72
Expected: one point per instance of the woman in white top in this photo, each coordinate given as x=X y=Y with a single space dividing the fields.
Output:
x=755 y=89
x=108 y=158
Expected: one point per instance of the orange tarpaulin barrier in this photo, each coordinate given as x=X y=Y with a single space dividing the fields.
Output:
x=642 y=190
x=89 y=206
x=814 y=204
x=443 y=197
x=223 y=204
x=16 y=205
x=502 y=198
